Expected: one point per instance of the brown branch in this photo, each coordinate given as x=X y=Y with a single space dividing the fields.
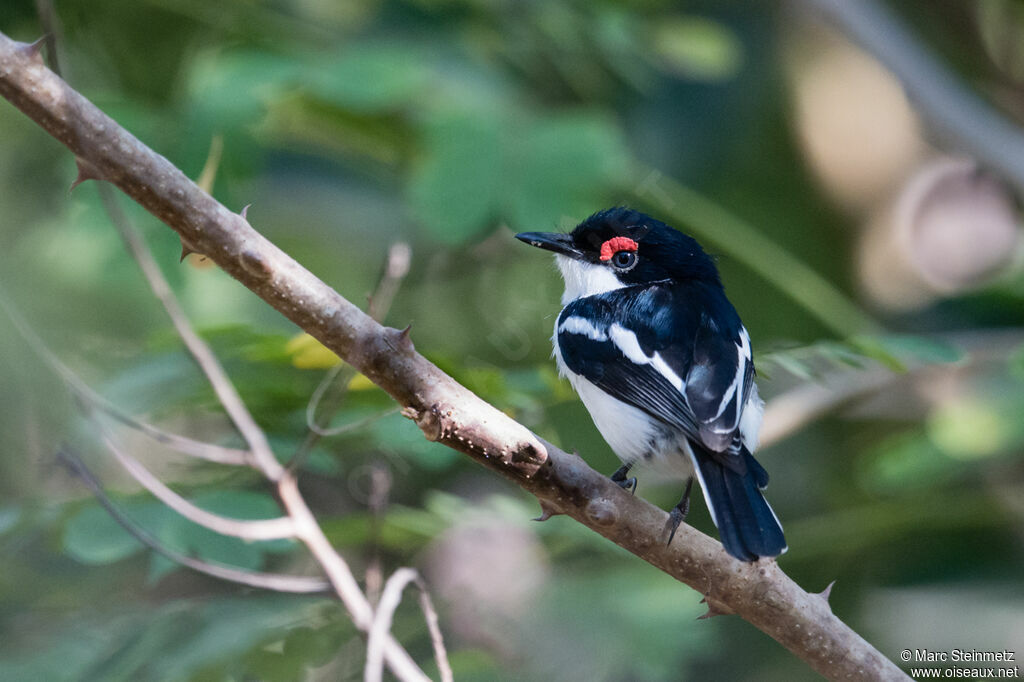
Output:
x=446 y=412
x=300 y=521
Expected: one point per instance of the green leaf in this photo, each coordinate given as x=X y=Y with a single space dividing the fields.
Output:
x=892 y=352
x=231 y=87
x=874 y=348
x=530 y=170
x=560 y=167
x=371 y=77
x=189 y=538
x=453 y=189
x=906 y=461
x=924 y=349
x=695 y=47
x=10 y=516
x=315 y=646
x=92 y=536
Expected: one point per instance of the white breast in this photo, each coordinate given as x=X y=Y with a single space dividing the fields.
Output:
x=630 y=432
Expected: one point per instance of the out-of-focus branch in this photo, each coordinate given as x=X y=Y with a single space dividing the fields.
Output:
x=952 y=110
x=300 y=520
x=446 y=411
x=92 y=400
x=268 y=529
x=307 y=530
x=794 y=409
x=266 y=581
x=262 y=455
x=789 y=412
x=390 y=598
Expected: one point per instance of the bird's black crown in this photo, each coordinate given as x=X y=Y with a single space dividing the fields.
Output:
x=663 y=252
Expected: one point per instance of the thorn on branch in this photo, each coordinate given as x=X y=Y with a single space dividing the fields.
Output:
x=547 y=510
x=86 y=171
x=404 y=340
x=827 y=592
x=713 y=610
x=34 y=51
x=186 y=251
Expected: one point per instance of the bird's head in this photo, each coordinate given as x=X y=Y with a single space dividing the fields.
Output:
x=620 y=247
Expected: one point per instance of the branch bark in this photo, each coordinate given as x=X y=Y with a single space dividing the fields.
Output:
x=446 y=411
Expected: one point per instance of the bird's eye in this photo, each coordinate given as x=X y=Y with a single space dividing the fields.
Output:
x=624 y=260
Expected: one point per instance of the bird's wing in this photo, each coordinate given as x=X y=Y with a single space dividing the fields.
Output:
x=691 y=371
x=718 y=381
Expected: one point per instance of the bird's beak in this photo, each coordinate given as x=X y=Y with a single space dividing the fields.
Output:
x=551 y=241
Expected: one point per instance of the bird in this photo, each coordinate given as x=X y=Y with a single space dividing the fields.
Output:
x=663 y=364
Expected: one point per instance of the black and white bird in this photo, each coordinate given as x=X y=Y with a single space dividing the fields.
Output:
x=660 y=359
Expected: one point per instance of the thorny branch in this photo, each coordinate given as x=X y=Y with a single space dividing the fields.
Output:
x=299 y=522
x=446 y=412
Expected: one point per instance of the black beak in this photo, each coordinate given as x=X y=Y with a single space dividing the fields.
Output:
x=551 y=241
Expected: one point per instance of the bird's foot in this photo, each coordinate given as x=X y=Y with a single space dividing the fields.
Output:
x=619 y=478
x=679 y=512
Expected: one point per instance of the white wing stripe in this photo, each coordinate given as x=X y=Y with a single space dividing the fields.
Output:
x=582 y=326
x=627 y=343
x=736 y=389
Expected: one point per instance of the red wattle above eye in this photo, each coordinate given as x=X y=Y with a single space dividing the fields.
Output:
x=616 y=244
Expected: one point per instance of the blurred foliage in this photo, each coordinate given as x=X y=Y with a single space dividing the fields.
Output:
x=450 y=124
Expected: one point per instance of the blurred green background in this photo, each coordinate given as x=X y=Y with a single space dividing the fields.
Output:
x=879 y=278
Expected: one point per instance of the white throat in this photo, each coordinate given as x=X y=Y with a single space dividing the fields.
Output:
x=585 y=279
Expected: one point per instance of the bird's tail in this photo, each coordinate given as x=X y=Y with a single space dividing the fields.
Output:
x=732 y=488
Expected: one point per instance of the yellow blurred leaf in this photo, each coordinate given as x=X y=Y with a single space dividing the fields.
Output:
x=308 y=353
x=360 y=383
x=970 y=428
